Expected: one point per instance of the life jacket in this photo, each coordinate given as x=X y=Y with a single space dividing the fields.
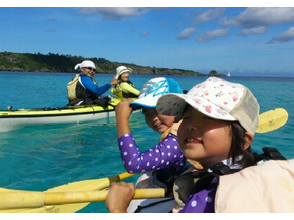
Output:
x=76 y=92
x=195 y=181
x=266 y=188
x=120 y=93
x=71 y=88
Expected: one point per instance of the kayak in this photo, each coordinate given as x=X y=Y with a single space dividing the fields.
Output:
x=157 y=205
x=16 y=119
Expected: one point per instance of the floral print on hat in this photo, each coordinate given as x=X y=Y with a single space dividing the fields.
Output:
x=218 y=99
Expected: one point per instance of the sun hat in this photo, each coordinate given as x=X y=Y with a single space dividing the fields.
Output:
x=153 y=89
x=85 y=63
x=217 y=99
x=122 y=69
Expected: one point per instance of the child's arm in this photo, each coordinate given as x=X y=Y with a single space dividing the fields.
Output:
x=165 y=153
x=123 y=112
x=128 y=88
x=88 y=83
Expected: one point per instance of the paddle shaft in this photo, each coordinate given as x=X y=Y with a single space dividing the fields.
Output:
x=37 y=199
x=15 y=200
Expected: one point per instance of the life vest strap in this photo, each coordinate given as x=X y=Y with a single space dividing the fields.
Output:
x=269 y=153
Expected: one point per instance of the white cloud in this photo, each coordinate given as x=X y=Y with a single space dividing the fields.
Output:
x=253 y=17
x=209 y=15
x=254 y=30
x=284 y=37
x=115 y=13
x=185 y=34
x=212 y=35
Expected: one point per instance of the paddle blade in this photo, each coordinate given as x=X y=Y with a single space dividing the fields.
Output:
x=272 y=120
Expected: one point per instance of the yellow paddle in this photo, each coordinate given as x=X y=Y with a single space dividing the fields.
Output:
x=85 y=185
x=21 y=200
x=272 y=120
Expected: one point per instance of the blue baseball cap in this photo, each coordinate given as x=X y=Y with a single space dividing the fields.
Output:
x=153 y=89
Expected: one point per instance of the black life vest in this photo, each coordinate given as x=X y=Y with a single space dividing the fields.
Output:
x=78 y=93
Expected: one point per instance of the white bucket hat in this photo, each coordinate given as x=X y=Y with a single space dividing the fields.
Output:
x=122 y=69
x=85 y=63
x=218 y=99
x=153 y=89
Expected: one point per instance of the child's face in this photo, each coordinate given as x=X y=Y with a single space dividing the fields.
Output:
x=157 y=122
x=204 y=139
x=124 y=77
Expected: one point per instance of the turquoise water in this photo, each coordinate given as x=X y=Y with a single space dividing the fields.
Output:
x=39 y=158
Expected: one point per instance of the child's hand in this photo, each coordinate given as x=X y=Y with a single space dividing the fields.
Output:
x=113 y=81
x=123 y=109
x=119 y=197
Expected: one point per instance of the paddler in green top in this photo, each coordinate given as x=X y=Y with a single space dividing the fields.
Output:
x=125 y=88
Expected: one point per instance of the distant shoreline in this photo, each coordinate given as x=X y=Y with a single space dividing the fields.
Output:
x=27 y=62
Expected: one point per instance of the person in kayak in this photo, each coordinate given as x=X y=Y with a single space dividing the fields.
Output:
x=125 y=88
x=84 y=90
x=218 y=126
x=135 y=161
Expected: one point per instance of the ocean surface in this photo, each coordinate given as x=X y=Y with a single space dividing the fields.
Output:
x=40 y=158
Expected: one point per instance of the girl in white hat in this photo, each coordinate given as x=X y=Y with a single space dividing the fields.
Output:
x=219 y=122
x=84 y=90
x=125 y=88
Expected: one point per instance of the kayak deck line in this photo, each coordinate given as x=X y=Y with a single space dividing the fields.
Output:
x=19 y=118
x=50 y=113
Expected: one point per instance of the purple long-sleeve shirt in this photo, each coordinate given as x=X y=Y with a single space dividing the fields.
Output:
x=166 y=153
x=203 y=201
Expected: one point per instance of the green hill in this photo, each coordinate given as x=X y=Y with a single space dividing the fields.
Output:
x=65 y=63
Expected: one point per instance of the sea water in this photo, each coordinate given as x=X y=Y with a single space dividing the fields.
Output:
x=40 y=158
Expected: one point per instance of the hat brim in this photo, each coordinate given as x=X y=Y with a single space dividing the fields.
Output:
x=148 y=102
x=129 y=70
x=174 y=104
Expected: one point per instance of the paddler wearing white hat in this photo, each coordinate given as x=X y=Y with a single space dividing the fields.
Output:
x=84 y=90
x=125 y=88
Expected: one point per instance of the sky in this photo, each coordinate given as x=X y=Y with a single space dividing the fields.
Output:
x=245 y=41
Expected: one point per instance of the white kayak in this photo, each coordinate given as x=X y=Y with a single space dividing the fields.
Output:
x=16 y=119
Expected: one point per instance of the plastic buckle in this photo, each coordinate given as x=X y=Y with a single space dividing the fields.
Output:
x=220 y=168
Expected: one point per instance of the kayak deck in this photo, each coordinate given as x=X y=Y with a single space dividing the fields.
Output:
x=54 y=111
x=15 y=119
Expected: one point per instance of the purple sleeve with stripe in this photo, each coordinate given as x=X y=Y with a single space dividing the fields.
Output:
x=166 y=153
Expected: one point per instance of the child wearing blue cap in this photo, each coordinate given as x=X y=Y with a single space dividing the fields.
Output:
x=134 y=161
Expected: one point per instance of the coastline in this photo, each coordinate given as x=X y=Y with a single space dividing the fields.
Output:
x=27 y=62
